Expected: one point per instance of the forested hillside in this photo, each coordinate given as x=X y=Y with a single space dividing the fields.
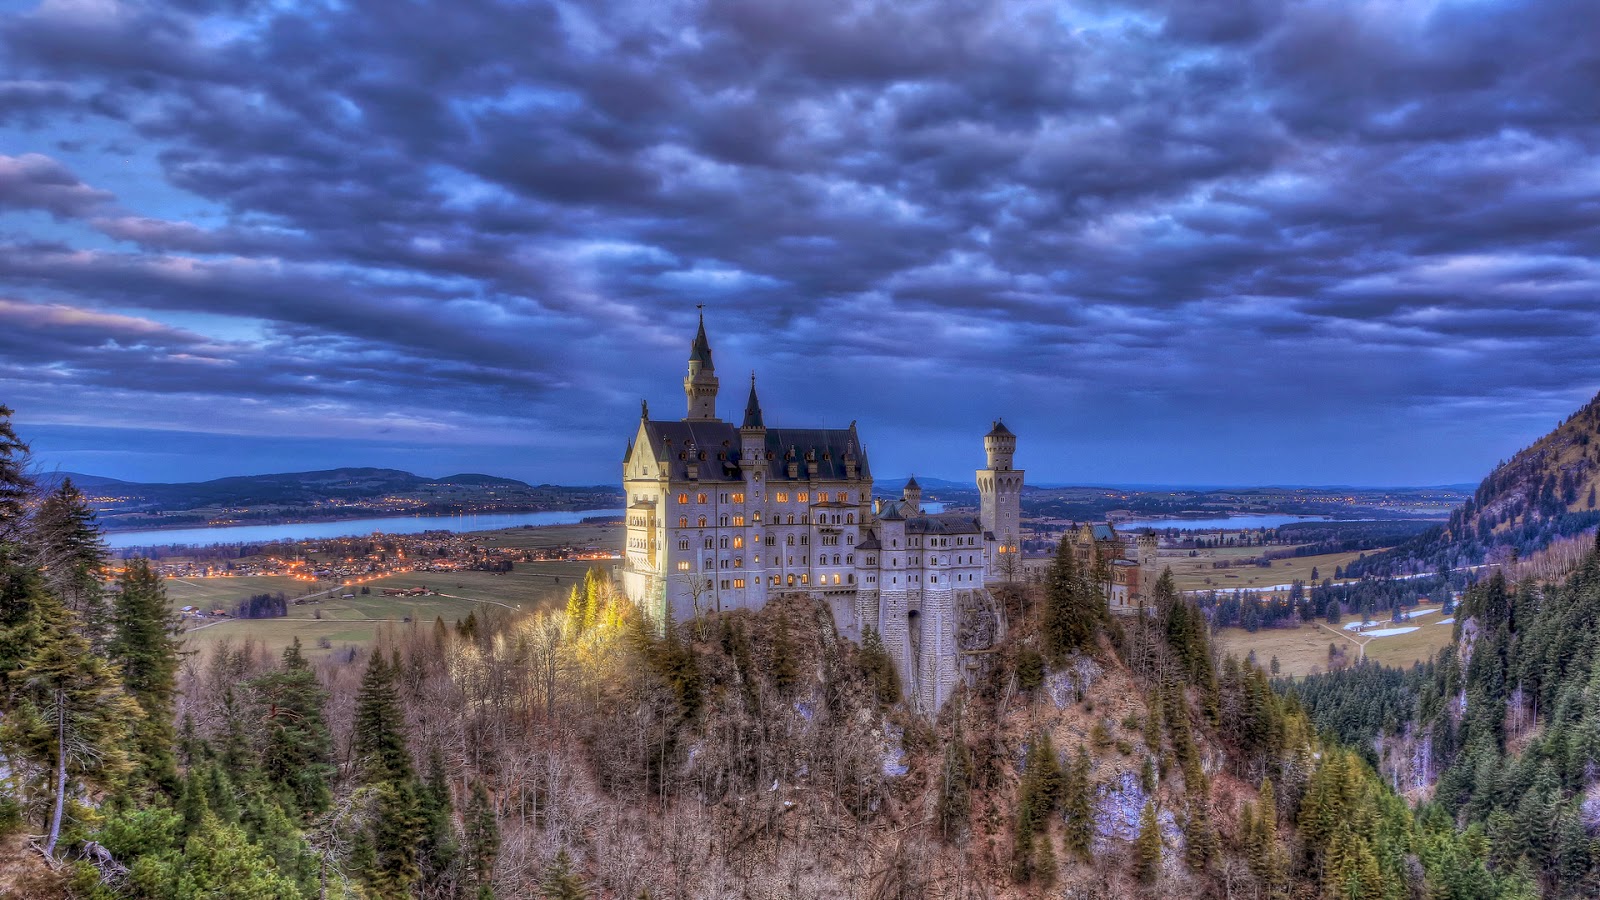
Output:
x=1502 y=731
x=1544 y=493
x=581 y=753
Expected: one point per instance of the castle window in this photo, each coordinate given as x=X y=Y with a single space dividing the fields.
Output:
x=683 y=498
x=683 y=565
x=724 y=543
x=850 y=518
x=850 y=539
x=738 y=521
x=722 y=521
x=756 y=517
x=850 y=578
x=791 y=519
x=738 y=542
x=805 y=578
x=781 y=496
x=805 y=539
x=724 y=498
x=836 y=559
x=738 y=582
x=804 y=497
x=836 y=578
x=702 y=498
x=738 y=562
x=738 y=498
x=709 y=544
x=791 y=581
x=683 y=543
x=772 y=540
x=849 y=559
x=789 y=540
x=724 y=584
x=702 y=521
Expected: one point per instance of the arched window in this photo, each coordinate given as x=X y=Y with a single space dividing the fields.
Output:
x=790 y=540
x=791 y=518
x=702 y=521
x=683 y=498
x=849 y=518
x=702 y=498
x=683 y=521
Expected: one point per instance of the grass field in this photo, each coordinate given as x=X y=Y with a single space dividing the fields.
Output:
x=355 y=620
x=1194 y=573
x=1304 y=650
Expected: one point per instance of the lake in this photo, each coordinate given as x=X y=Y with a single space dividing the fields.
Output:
x=251 y=534
x=1226 y=523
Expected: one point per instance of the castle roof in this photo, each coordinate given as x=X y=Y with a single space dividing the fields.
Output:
x=891 y=513
x=752 y=408
x=701 y=350
x=911 y=484
x=1104 y=532
x=999 y=429
x=716 y=447
x=953 y=523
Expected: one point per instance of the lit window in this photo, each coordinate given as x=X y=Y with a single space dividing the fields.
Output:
x=804 y=497
x=738 y=498
x=683 y=498
x=738 y=542
x=683 y=565
x=805 y=578
x=702 y=498
x=781 y=496
x=738 y=582
x=738 y=520
x=683 y=521
x=702 y=521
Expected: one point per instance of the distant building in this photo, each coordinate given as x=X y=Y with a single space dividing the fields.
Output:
x=722 y=517
x=1122 y=565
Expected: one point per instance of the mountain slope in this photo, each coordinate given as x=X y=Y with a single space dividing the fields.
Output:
x=1545 y=492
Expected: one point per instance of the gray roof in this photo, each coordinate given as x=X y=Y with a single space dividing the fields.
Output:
x=752 y=408
x=999 y=428
x=1104 y=532
x=954 y=523
x=717 y=443
x=701 y=349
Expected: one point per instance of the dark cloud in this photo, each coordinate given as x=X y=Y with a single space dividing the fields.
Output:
x=1159 y=218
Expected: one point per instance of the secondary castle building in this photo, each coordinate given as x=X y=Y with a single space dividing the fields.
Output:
x=723 y=517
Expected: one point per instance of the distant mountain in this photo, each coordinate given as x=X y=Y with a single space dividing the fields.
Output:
x=327 y=494
x=1545 y=492
x=896 y=485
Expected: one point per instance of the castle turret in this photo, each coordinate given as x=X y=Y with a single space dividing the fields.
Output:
x=1000 y=501
x=753 y=433
x=700 y=387
x=912 y=495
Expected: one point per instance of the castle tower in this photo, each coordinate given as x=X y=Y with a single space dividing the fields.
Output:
x=912 y=495
x=700 y=387
x=1000 y=495
x=753 y=433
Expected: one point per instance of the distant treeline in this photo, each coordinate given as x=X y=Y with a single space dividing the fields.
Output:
x=1317 y=538
x=263 y=606
x=1370 y=600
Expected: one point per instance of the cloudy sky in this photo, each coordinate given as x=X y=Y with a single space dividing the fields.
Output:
x=1197 y=241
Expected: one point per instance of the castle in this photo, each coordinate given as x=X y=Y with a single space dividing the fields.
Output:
x=722 y=517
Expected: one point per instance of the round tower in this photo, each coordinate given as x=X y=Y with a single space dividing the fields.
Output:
x=999 y=445
x=700 y=387
x=912 y=495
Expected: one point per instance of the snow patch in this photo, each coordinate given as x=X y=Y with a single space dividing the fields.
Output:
x=1449 y=620
x=1391 y=632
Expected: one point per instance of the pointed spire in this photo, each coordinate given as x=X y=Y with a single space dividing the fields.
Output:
x=701 y=351
x=752 y=409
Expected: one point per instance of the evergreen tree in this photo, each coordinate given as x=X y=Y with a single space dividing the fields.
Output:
x=1147 y=847
x=297 y=751
x=482 y=843
x=878 y=667
x=560 y=882
x=71 y=552
x=380 y=741
x=145 y=649
x=74 y=717
x=1073 y=609
x=1078 y=805
x=955 y=789
x=15 y=484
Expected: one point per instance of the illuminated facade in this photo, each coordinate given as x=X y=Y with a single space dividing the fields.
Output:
x=722 y=517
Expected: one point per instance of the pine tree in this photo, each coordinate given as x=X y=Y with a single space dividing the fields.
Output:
x=575 y=611
x=1073 y=609
x=297 y=752
x=1147 y=847
x=70 y=550
x=437 y=852
x=560 y=882
x=482 y=842
x=145 y=649
x=15 y=484
x=878 y=667
x=74 y=716
x=380 y=741
x=1078 y=805
x=785 y=668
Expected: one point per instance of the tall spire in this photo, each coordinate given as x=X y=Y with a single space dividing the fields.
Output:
x=700 y=387
x=701 y=350
x=752 y=408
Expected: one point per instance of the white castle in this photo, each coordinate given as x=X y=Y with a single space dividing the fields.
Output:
x=722 y=517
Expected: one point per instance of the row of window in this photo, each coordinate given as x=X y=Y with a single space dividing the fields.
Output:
x=779 y=496
x=737 y=562
x=738 y=521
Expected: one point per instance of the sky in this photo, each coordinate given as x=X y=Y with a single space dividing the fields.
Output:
x=1194 y=241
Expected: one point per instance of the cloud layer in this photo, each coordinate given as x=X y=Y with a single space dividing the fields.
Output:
x=1168 y=241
